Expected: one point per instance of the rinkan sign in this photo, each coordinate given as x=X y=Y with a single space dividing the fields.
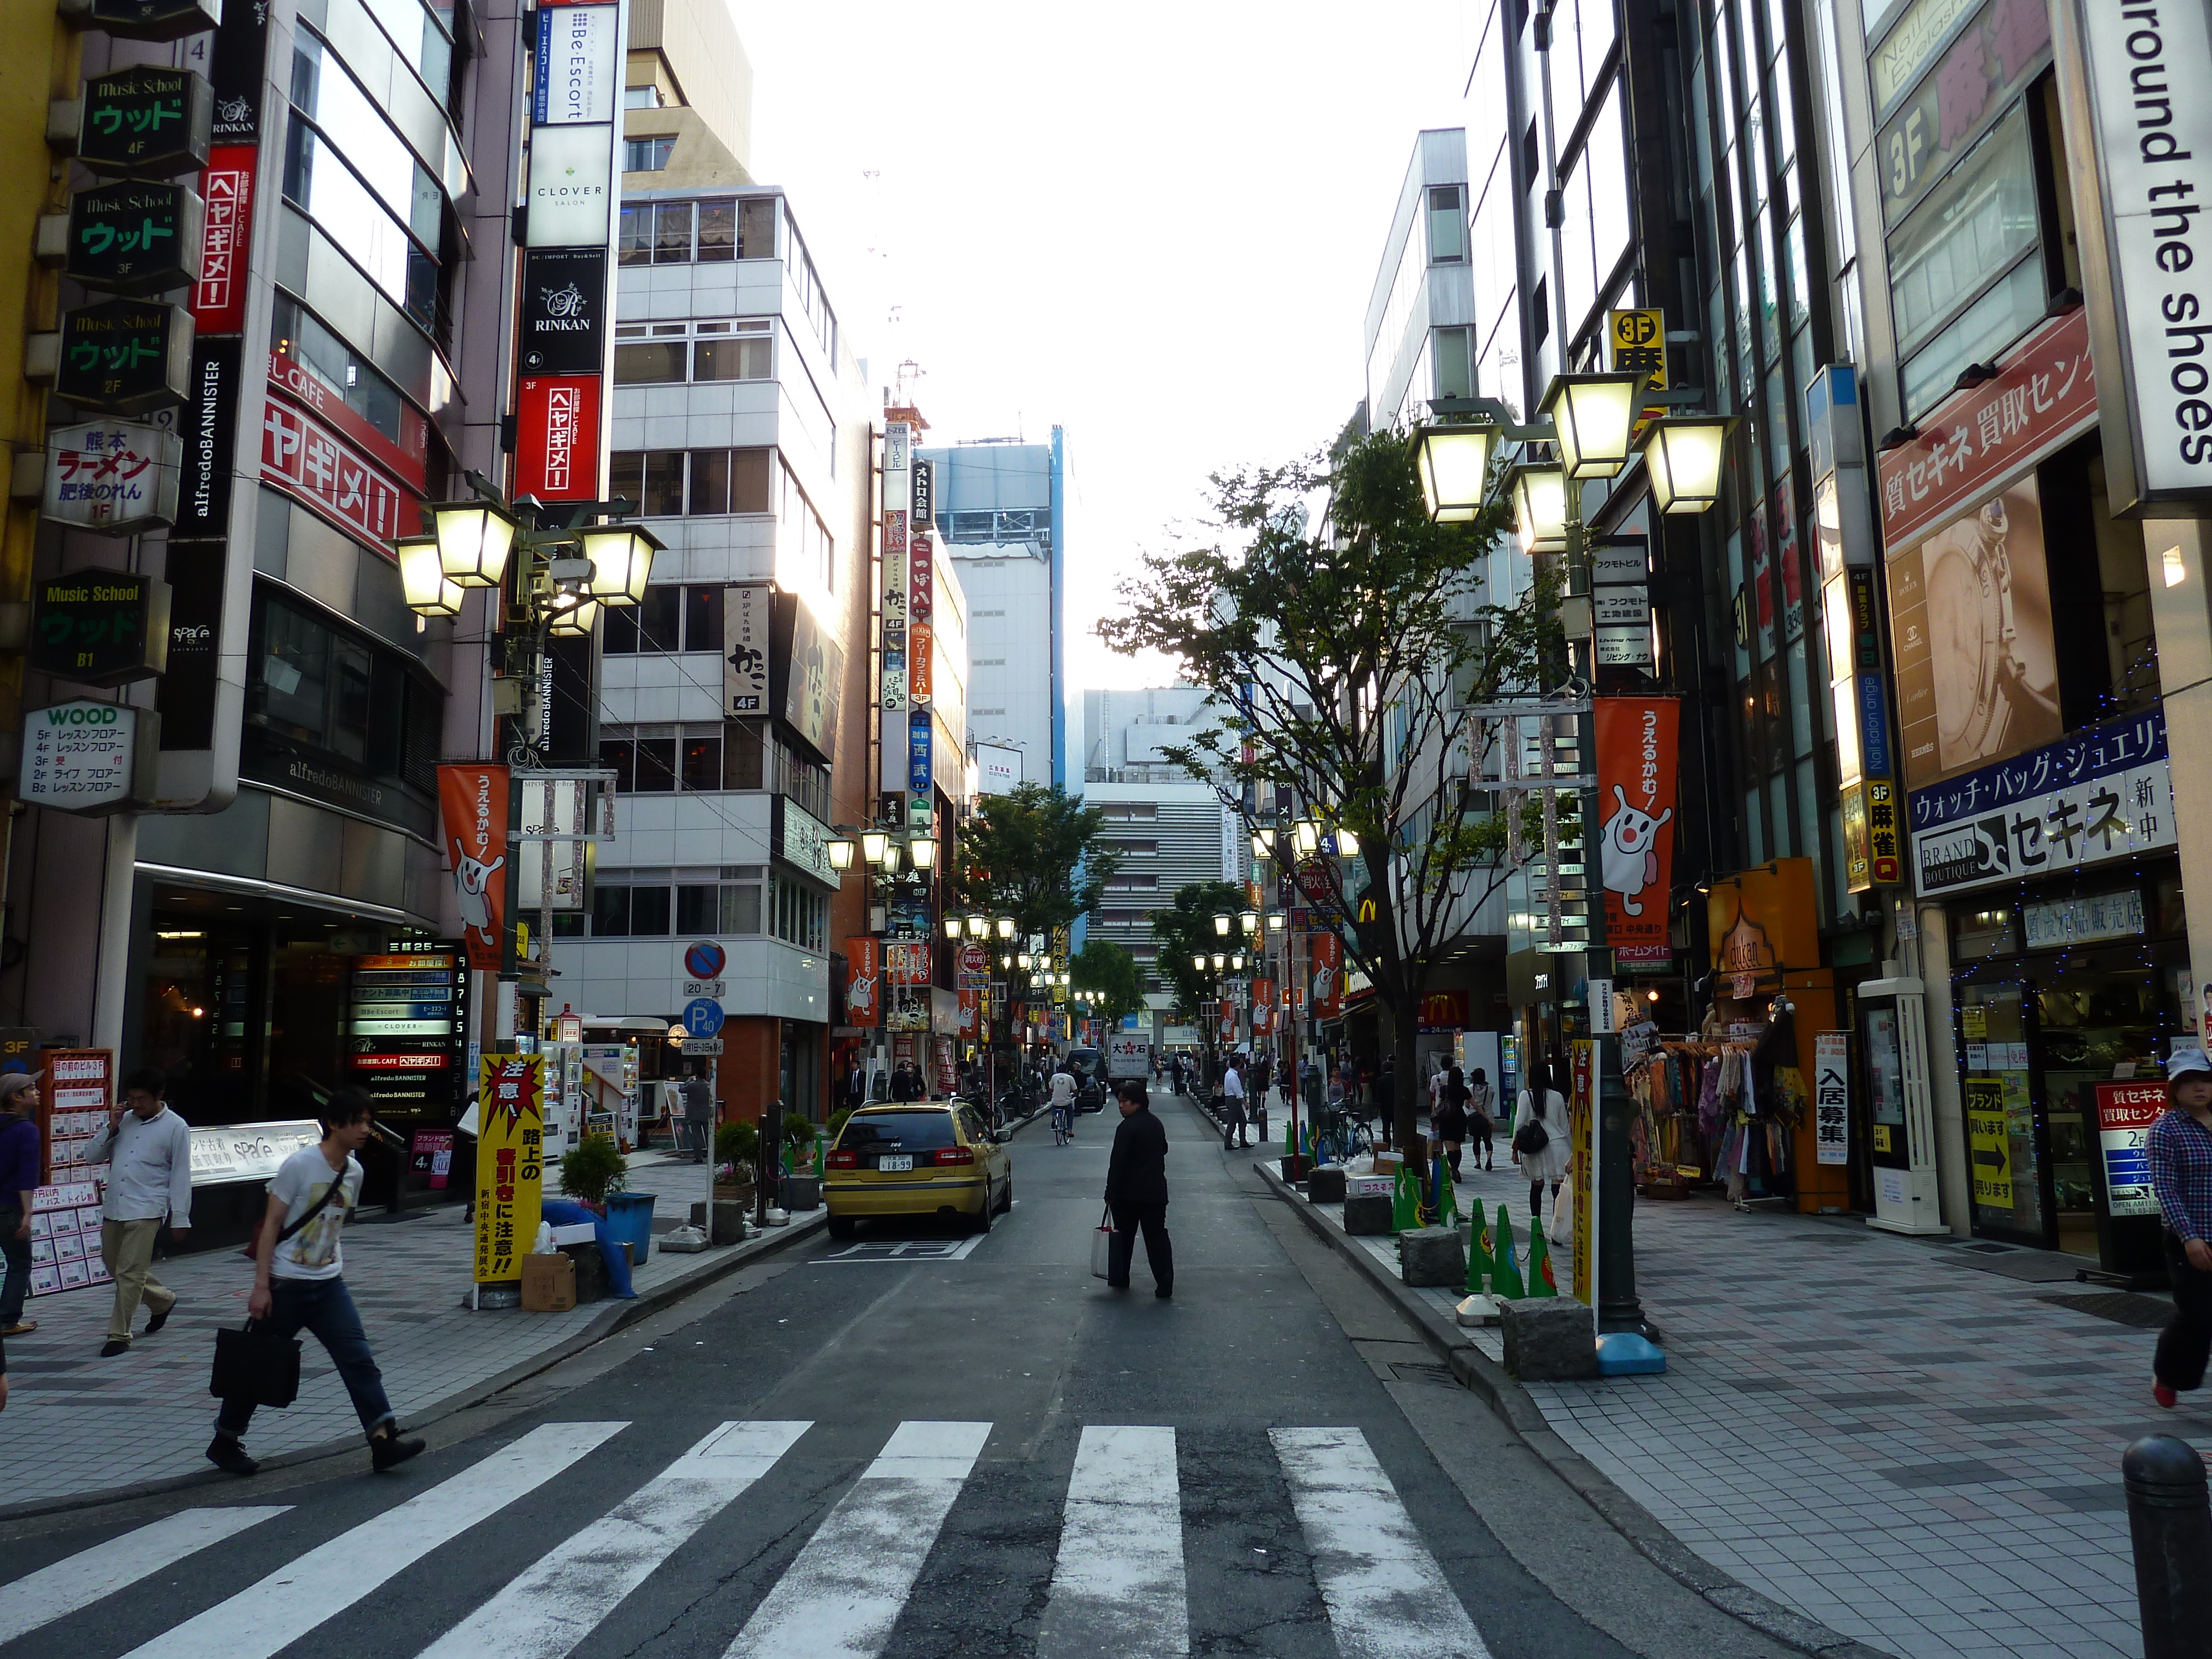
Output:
x=2132 y=73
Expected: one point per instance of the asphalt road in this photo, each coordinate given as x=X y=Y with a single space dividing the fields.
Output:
x=934 y=1446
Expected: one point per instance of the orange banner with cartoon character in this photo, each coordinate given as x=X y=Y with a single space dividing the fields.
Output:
x=472 y=806
x=1636 y=744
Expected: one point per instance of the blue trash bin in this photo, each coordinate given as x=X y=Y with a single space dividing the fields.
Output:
x=629 y=1221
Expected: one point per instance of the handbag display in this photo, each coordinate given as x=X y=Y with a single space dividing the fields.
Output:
x=257 y=1365
x=1101 y=1242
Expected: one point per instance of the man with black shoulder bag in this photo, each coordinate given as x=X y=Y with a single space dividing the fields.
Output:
x=299 y=1284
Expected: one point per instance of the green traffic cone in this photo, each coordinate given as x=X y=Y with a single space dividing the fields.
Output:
x=1447 y=1200
x=1541 y=1283
x=1404 y=1202
x=1478 y=1251
x=1290 y=1144
x=1505 y=1276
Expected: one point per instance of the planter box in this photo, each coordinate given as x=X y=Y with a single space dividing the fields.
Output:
x=802 y=1192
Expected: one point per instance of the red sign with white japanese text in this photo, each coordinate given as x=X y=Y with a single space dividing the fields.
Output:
x=1637 y=739
x=403 y=458
x=472 y=802
x=1326 y=954
x=1265 y=996
x=971 y=1005
x=2046 y=394
x=920 y=677
x=864 y=977
x=557 y=441
x=907 y=961
x=302 y=456
x=227 y=189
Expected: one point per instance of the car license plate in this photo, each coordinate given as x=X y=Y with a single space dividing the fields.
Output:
x=896 y=1161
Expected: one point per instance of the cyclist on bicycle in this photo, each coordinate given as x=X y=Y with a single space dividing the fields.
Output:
x=1063 y=1105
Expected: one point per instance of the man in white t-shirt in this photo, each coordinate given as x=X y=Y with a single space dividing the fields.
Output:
x=299 y=1282
x=1235 y=1127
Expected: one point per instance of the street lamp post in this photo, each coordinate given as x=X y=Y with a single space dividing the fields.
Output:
x=1591 y=420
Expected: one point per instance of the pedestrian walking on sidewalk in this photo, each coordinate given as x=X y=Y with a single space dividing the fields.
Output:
x=2180 y=1148
x=1235 y=1131
x=1137 y=1192
x=299 y=1284
x=1481 y=1117
x=1451 y=1118
x=1540 y=1136
x=149 y=1150
x=1259 y=1078
x=1174 y=1072
x=20 y=1156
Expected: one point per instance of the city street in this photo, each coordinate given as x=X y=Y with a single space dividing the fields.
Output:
x=919 y=1443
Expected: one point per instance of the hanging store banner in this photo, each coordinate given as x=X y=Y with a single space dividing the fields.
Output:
x=510 y=1163
x=472 y=802
x=146 y=123
x=920 y=728
x=577 y=58
x=99 y=627
x=896 y=695
x=89 y=758
x=746 y=618
x=1325 y=954
x=864 y=981
x=1831 y=1097
x=813 y=677
x=2090 y=799
x=906 y=961
x=1637 y=741
x=125 y=357
x=921 y=676
x=920 y=578
x=233 y=59
x=557 y=446
x=132 y=237
x=310 y=462
x=226 y=233
x=2141 y=174
x=571 y=188
x=112 y=476
x=563 y=309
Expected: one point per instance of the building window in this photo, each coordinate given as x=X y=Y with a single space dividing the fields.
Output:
x=646 y=154
x=661 y=354
x=344 y=696
x=670 y=483
x=641 y=98
x=713 y=231
x=669 y=619
x=1447 y=225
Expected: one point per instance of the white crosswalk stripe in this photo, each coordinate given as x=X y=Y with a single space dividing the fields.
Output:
x=842 y=1595
x=1117 y=1587
x=556 y=1603
x=1387 y=1598
x=271 y=1615
x=54 y=1592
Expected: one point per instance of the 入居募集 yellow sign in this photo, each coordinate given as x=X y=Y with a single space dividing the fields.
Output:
x=510 y=1163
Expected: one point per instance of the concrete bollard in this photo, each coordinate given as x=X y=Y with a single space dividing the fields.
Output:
x=2171 y=1528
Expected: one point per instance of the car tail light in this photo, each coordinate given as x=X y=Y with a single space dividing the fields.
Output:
x=956 y=1155
x=844 y=1160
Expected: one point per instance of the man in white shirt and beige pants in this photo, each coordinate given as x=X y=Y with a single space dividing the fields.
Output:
x=149 y=1150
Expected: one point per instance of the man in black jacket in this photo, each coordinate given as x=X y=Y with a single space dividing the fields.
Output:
x=1137 y=1192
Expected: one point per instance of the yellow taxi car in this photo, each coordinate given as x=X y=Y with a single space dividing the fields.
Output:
x=918 y=1158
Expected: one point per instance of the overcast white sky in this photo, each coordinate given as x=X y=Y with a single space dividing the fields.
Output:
x=1155 y=225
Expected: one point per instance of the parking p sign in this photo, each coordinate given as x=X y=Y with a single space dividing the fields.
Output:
x=702 y=1017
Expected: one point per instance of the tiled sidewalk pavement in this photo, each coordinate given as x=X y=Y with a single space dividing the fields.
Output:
x=1868 y=1430
x=77 y=1424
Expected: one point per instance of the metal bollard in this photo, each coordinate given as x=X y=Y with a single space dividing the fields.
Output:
x=2171 y=1528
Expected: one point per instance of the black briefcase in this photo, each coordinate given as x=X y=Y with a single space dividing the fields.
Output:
x=257 y=1365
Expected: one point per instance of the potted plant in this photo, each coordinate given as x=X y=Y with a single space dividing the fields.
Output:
x=802 y=1189
x=735 y=1147
x=591 y=1169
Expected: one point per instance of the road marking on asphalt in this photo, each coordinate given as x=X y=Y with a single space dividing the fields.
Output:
x=303 y=1594
x=56 y=1591
x=1118 y=1587
x=841 y=1596
x=1386 y=1597
x=553 y=1604
x=904 y=1250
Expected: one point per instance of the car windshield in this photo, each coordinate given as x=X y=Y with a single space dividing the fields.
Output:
x=904 y=1131
x=1083 y=1062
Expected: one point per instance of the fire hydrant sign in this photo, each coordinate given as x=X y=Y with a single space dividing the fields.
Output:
x=510 y=1163
x=87 y=756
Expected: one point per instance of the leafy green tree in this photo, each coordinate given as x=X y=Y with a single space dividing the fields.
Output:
x=1110 y=974
x=1354 y=644
x=1036 y=854
x=1185 y=931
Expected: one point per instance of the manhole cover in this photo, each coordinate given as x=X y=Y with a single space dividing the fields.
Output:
x=1988 y=1250
x=2145 y=1313
x=1424 y=1370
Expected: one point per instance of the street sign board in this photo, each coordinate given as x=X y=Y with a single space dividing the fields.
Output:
x=704 y=988
x=702 y=1016
x=112 y=476
x=125 y=357
x=704 y=960
x=99 y=627
x=89 y=758
x=146 y=123
x=711 y=1047
x=133 y=237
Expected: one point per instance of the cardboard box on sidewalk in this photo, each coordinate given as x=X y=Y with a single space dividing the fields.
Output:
x=549 y=1283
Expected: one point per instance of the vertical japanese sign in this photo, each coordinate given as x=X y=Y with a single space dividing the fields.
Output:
x=1582 y=1164
x=1637 y=739
x=1831 y=1097
x=472 y=802
x=2125 y=1112
x=510 y=1163
x=895 y=698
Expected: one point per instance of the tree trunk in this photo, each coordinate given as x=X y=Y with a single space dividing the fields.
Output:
x=1406 y=1080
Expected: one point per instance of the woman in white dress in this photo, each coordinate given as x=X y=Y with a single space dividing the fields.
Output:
x=1542 y=1105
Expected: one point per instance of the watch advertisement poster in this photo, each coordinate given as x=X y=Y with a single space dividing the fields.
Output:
x=1970 y=620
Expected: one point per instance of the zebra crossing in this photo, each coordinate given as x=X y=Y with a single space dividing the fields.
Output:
x=1119 y=1588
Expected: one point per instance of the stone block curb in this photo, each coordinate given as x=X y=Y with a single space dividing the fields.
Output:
x=1519 y=1411
x=614 y=1317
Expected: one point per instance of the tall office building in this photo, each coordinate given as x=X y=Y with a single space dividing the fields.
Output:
x=1002 y=513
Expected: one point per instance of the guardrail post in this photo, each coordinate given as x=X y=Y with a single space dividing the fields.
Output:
x=2170 y=1526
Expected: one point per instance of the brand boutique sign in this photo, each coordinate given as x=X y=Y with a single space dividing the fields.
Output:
x=564 y=294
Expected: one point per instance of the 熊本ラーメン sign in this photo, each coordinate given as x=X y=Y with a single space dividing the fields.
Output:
x=1637 y=741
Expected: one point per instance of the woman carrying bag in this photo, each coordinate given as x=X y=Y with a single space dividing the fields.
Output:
x=1540 y=1137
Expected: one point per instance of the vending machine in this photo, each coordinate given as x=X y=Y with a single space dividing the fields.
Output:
x=1900 y=1120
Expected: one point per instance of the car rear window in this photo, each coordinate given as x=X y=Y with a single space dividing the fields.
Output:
x=905 y=1132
